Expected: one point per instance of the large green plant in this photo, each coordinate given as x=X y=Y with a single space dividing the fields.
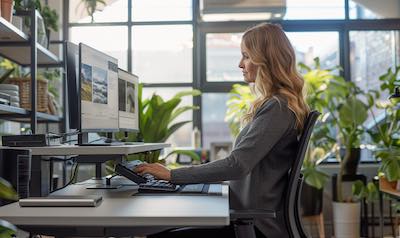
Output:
x=317 y=81
x=385 y=133
x=348 y=113
x=7 y=192
x=157 y=120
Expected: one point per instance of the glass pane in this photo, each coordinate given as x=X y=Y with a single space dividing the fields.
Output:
x=215 y=129
x=374 y=9
x=112 y=40
x=314 y=9
x=309 y=45
x=182 y=137
x=163 y=54
x=161 y=10
x=113 y=11
x=266 y=10
x=223 y=52
x=372 y=53
x=223 y=56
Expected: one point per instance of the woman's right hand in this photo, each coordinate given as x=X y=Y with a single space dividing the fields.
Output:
x=159 y=171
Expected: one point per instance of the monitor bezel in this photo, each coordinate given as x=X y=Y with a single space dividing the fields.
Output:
x=94 y=130
x=137 y=96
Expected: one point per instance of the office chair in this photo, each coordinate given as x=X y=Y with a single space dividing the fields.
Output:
x=243 y=219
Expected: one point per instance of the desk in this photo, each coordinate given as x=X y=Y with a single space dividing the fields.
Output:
x=388 y=188
x=123 y=215
x=40 y=182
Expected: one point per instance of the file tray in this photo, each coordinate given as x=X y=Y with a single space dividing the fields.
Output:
x=61 y=201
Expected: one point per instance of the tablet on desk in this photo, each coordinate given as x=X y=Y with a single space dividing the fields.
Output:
x=61 y=201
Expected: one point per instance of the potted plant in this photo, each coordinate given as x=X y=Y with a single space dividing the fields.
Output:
x=348 y=113
x=384 y=133
x=317 y=81
x=7 y=192
x=48 y=15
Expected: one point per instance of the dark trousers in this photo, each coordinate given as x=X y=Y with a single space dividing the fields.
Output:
x=193 y=232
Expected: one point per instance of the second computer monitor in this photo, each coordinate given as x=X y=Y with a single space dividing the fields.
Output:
x=128 y=101
x=99 y=91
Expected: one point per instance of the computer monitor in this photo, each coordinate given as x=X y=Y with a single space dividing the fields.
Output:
x=72 y=53
x=128 y=101
x=98 y=95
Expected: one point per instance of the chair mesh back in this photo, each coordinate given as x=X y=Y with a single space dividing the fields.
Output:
x=294 y=176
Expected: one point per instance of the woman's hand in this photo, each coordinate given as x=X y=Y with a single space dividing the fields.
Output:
x=157 y=170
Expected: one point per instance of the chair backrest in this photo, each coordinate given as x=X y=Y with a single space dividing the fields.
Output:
x=295 y=179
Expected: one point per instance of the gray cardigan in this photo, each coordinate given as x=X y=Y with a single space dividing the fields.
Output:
x=257 y=167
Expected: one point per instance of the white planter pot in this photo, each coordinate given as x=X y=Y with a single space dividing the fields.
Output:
x=346 y=220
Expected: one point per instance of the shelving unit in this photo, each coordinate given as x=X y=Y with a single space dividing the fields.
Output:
x=24 y=50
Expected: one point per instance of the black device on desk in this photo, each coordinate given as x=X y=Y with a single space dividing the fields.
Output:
x=145 y=183
x=150 y=184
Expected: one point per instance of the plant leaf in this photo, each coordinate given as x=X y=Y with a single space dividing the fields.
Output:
x=7 y=191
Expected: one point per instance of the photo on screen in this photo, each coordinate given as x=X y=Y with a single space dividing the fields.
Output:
x=100 y=85
x=121 y=95
x=130 y=97
x=86 y=76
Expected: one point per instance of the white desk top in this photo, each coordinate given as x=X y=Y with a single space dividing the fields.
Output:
x=128 y=211
x=92 y=150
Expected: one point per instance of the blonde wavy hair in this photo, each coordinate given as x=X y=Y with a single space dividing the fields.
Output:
x=271 y=51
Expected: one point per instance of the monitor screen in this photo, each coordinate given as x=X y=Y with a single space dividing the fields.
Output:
x=72 y=53
x=98 y=90
x=128 y=101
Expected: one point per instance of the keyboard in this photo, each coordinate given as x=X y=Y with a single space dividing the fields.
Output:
x=158 y=186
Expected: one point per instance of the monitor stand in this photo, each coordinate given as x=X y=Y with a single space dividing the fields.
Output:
x=107 y=185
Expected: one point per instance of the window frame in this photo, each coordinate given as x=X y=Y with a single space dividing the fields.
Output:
x=201 y=29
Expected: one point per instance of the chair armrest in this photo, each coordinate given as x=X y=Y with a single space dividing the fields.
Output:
x=251 y=214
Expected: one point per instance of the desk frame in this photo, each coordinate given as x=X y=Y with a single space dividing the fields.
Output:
x=41 y=182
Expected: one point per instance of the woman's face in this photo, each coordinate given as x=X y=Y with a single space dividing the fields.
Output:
x=249 y=70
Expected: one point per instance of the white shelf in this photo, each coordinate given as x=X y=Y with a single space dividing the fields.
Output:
x=21 y=54
x=22 y=115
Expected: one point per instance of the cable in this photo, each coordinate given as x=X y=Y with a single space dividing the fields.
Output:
x=72 y=177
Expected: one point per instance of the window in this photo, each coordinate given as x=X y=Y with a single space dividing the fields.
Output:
x=114 y=11
x=372 y=53
x=314 y=9
x=157 y=44
x=106 y=40
x=374 y=9
x=223 y=56
x=215 y=129
x=163 y=54
x=161 y=10
x=309 y=45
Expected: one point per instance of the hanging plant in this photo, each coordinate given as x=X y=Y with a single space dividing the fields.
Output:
x=91 y=6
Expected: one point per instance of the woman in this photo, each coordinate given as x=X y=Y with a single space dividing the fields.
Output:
x=265 y=148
